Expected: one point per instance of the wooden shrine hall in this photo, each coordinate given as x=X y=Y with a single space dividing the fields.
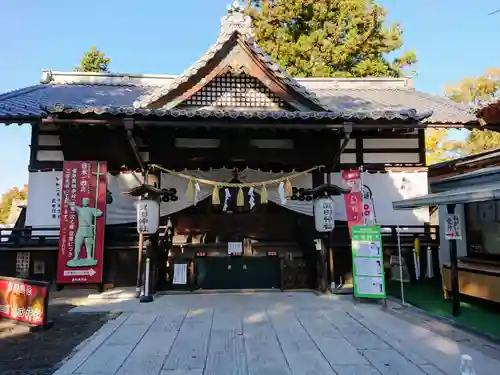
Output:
x=233 y=117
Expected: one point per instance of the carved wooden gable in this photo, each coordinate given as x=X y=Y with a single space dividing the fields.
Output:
x=236 y=90
x=235 y=72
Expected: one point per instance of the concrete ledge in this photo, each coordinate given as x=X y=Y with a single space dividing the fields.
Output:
x=121 y=294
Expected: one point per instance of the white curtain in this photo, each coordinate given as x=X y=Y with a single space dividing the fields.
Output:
x=122 y=209
x=171 y=181
x=304 y=181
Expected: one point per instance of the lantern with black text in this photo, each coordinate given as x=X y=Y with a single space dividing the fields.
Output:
x=324 y=214
x=148 y=216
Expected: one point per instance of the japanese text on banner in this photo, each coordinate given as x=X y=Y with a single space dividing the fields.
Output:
x=353 y=200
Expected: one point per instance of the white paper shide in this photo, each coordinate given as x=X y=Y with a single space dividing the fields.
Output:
x=148 y=216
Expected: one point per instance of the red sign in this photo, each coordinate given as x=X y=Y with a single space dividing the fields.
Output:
x=23 y=300
x=354 y=199
x=83 y=210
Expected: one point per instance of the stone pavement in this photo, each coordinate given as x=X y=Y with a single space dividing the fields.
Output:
x=265 y=334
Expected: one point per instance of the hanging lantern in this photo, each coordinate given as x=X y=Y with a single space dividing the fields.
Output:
x=148 y=216
x=324 y=211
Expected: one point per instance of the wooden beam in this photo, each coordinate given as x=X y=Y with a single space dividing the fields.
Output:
x=129 y=127
x=34 y=145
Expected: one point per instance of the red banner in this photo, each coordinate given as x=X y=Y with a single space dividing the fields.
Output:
x=23 y=300
x=83 y=210
x=354 y=199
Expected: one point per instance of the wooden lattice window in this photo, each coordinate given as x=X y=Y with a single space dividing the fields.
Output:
x=231 y=90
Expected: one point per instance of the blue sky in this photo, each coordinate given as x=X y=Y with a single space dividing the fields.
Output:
x=453 y=39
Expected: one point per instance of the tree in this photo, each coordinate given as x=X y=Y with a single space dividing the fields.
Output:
x=474 y=91
x=253 y=4
x=439 y=147
x=93 y=61
x=8 y=198
x=330 y=38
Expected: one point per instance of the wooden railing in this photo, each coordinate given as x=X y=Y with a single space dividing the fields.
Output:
x=127 y=235
x=49 y=237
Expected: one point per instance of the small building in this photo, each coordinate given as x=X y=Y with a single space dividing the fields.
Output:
x=469 y=188
x=233 y=116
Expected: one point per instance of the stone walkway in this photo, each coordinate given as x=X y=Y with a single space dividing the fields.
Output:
x=265 y=334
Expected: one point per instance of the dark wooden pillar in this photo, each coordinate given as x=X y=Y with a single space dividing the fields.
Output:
x=455 y=291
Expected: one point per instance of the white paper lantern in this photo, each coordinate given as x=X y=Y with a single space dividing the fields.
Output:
x=148 y=216
x=324 y=214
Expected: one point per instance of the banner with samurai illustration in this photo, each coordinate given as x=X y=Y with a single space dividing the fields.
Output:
x=83 y=209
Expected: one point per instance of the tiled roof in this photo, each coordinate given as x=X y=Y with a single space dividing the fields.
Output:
x=356 y=98
x=236 y=24
x=444 y=111
x=117 y=93
x=390 y=115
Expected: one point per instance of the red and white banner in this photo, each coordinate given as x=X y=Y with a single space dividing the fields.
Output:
x=24 y=300
x=354 y=199
x=83 y=210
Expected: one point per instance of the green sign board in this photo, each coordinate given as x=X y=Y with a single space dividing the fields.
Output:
x=368 y=262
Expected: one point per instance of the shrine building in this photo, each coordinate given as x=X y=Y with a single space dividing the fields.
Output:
x=222 y=141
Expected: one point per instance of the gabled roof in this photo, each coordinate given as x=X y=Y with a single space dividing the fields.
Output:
x=235 y=49
x=310 y=98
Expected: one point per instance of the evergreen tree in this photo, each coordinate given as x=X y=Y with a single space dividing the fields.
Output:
x=93 y=61
x=330 y=38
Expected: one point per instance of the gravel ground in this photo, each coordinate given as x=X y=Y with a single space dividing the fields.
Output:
x=39 y=353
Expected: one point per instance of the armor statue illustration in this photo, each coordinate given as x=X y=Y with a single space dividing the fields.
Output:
x=85 y=234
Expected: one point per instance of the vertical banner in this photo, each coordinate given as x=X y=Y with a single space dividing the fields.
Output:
x=83 y=209
x=369 y=216
x=354 y=199
x=367 y=262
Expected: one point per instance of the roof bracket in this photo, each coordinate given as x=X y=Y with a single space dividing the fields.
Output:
x=129 y=127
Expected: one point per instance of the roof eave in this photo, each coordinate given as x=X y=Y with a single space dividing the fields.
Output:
x=20 y=120
x=445 y=197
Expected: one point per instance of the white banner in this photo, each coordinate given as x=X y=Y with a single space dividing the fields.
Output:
x=386 y=188
x=44 y=202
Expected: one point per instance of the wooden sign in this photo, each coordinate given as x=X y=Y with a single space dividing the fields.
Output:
x=452 y=227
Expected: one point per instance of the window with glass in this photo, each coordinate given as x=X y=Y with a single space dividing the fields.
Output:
x=483 y=229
